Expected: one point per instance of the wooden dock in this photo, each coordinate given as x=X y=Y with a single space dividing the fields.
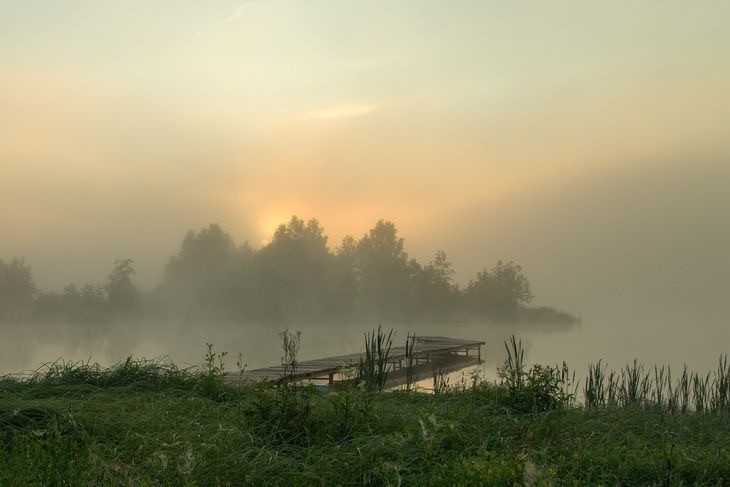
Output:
x=430 y=353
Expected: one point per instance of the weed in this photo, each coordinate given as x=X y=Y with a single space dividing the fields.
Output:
x=290 y=344
x=212 y=379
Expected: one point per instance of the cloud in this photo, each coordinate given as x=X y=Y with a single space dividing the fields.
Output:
x=343 y=111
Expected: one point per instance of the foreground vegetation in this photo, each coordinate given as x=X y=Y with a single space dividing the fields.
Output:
x=150 y=423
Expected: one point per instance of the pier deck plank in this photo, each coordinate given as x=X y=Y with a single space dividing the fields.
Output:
x=434 y=350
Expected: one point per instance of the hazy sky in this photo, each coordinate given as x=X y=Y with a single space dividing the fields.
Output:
x=588 y=141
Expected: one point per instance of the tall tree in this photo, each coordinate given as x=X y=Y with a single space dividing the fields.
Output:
x=295 y=273
x=204 y=272
x=17 y=289
x=383 y=271
x=123 y=295
x=433 y=292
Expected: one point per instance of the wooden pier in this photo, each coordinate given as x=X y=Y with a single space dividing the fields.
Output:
x=430 y=353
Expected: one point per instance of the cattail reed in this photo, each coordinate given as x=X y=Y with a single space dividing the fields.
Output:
x=410 y=358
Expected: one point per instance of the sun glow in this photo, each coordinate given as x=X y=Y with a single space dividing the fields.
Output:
x=268 y=223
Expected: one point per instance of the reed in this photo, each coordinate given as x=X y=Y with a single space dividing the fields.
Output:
x=631 y=390
x=700 y=388
x=513 y=373
x=658 y=397
x=440 y=380
x=720 y=391
x=374 y=369
x=594 y=392
x=683 y=391
x=633 y=387
x=410 y=359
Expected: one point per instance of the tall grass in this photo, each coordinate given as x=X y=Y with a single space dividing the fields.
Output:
x=594 y=392
x=440 y=380
x=634 y=387
x=159 y=371
x=374 y=367
x=410 y=359
x=513 y=372
x=720 y=390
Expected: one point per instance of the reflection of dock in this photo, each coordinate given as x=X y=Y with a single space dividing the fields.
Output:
x=430 y=354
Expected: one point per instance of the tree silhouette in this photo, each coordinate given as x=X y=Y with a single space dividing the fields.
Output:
x=295 y=272
x=381 y=264
x=294 y=277
x=123 y=295
x=434 y=294
x=500 y=291
x=207 y=271
x=17 y=289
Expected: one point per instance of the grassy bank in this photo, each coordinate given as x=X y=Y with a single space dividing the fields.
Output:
x=148 y=423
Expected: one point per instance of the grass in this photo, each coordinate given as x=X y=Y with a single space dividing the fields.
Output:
x=374 y=368
x=410 y=347
x=150 y=423
x=636 y=387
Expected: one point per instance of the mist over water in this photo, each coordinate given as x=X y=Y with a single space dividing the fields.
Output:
x=643 y=260
x=615 y=341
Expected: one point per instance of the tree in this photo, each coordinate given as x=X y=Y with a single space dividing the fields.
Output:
x=17 y=289
x=89 y=303
x=122 y=294
x=499 y=291
x=92 y=297
x=441 y=270
x=48 y=304
x=206 y=272
x=295 y=274
x=383 y=271
x=346 y=284
x=434 y=295
x=300 y=235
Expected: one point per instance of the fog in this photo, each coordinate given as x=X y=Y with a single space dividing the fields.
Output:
x=641 y=257
x=588 y=145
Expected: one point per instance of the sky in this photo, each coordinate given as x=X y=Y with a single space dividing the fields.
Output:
x=589 y=142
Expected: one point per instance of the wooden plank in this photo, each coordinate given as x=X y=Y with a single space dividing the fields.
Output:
x=431 y=348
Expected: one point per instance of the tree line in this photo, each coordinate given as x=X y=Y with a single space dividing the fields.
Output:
x=296 y=276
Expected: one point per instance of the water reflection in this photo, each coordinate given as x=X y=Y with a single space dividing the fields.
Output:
x=26 y=346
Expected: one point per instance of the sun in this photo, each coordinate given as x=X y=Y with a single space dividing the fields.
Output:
x=267 y=225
